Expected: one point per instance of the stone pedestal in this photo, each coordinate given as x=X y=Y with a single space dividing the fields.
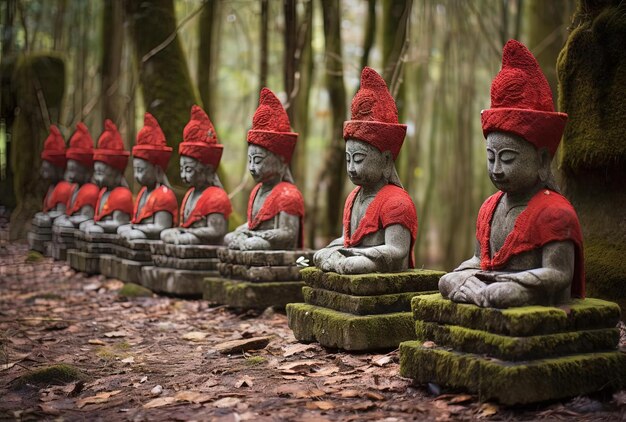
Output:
x=39 y=238
x=517 y=355
x=89 y=249
x=63 y=239
x=256 y=279
x=180 y=269
x=359 y=312
x=128 y=259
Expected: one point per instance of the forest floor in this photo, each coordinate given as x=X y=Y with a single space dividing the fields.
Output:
x=157 y=358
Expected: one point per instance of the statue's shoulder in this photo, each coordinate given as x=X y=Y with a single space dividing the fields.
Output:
x=121 y=193
x=89 y=190
x=550 y=208
x=164 y=197
x=288 y=191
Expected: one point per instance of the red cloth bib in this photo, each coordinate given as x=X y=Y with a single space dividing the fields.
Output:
x=548 y=217
x=392 y=205
x=87 y=195
x=212 y=200
x=161 y=199
x=61 y=194
x=285 y=197
x=120 y=199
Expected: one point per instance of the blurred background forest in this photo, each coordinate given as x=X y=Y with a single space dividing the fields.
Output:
x=65 y=61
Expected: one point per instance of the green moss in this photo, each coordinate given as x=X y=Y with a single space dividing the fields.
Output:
x=373 y=284
x=350 y=332
x=34 y=256
x=250 y=295
x=115 y=351
x=359 y=305
x=514 y=383
x=605 y=268
x=51 y=375
x=517 y=348
x=134 y=290
x=255 y=360
x=522 y=321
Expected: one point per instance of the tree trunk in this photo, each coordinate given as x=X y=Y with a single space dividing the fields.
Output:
x=333 y=174
x=264 y=27
x=592 y=80
x=208 y=32
x=112 y=39
x=39 y=84
x=290 y=61
x=163 y=73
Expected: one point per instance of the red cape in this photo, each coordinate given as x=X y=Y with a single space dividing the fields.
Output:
x=61 y=194
x=87 y=195
x=548 y=217
x=161 y=199
x=392 y=205
x=285 y=197
x=212 y=200
x=120 y=199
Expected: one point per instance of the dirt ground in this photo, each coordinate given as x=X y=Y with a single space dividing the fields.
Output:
x=157 y=358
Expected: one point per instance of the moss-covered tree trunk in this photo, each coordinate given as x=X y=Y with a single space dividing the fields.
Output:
x=113 y=37
x=39 y=83
x=166 y=85
x=206 y=72
x=592 y=82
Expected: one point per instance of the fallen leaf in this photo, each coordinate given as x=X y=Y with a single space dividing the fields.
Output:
x=460 y=398
x=8 y=365
x=244 y=381
x=96 y=341
x=299 y=366
x=128 y=360
x=487 y=409
x=381 y=360
x=294 y=349
x=348 y=394
x=374 y=396
x=309 y=394
x=195 y=336
x=293 y=377
x=364 y=405
x=193 y=396
x=114 y=334
x=98 y=398
x=92 y=286
x=320 y=405
x=143 y=379
x=227 y=402
x=429 y=344
x=161 y=401
x=325 y=371
x=235 y=346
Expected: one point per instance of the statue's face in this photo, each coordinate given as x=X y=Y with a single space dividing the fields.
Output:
x=145 y=172
x=49 y=171
x=364 y=162
x=512 y=162
x=76 y=172
x=105 y=176
x=264 y=166
x=194 y=173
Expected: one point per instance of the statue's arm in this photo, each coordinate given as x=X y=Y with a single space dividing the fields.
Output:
x=556 y=272
x=474 y=262
x=118 y=218
x=85 y=213
x=162 y=220
x=288 y=227
x=216 y=227
x=396 y=248
x=57 y=211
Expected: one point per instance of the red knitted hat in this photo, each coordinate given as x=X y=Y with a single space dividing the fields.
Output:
x=271 y=128
x=521 y=101
x=374 y=115
x=200 y=139
x=151 y=145
x=54 y=148
x=111 y=148
x=81 y=146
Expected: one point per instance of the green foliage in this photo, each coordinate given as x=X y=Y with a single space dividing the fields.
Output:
x=33 y=257
x=134 y=290
x=51 y=375
x=605 y=267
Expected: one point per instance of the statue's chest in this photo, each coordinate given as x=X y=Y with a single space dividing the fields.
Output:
x=502 y=225
x=359 y=208
x=259 y=201
x=191 y=203
x=143 y=200
x=74 y=195
x=103 y=200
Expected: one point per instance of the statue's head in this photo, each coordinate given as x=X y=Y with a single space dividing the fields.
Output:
x=200 y=153
x=151 y=154
x=270 y=141
x=367 y=165
x=53 y=159
x=522 y=129
x=110 y=158
x=79 y=156
x=77 y=172
x=373 y=135
x=515 y=165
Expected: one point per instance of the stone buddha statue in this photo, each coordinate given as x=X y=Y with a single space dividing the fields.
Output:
x=84 y=194
x=53 y=163
x=155 y=207
x=205 y=208
x=379 y=219
x=275 y=206
x=114 y=204
x=528 y=238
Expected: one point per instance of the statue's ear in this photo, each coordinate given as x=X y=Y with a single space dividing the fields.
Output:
x=545 y=161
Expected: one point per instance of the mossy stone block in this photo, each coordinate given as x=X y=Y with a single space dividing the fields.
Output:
x=185 y=251
x=374 y=283
x=83 y=261
x=359 y=305
x=514 y=383
x=579 y=314
x=184 y=283
x=259 y=274
x=341 y=330
x=279 y=258
x=206 y=264
x=109 y=266
x=252 y=295
x=517 y=348
x=134 y=290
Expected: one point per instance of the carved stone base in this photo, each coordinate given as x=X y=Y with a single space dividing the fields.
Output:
x=516 y=355
x=185 y=283
x=39 y=239
x=84 y=261
x=252 y=295
x=126 y=270
x=89 y=249
x=359 y=312
x=63 y=239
